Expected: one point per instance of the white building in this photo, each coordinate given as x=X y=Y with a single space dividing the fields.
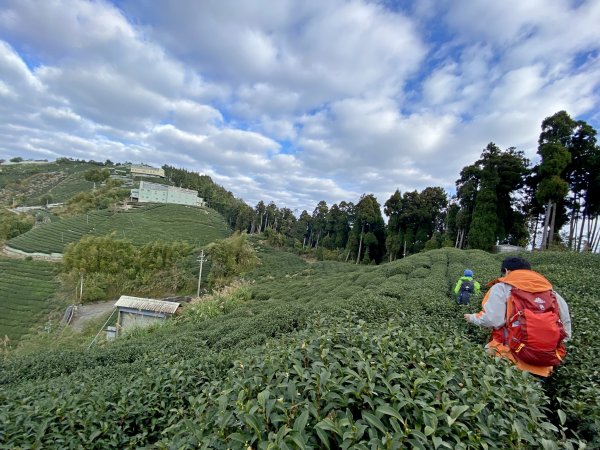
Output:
x=160 y=193
x=144 y=170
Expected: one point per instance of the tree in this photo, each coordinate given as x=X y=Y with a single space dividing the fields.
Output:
x=46 y=199
x=12 y=225
x=97 y=175
x=482 y=233
x=243 y=220
x=433 y=201
x=369 y=221
x=489 y=211
x=303 y=228
x=580 y=175
x=229 y=258
x=319 y=219
x=392 y=209
x=261 y=212
x=466 y=191
x=555 y=157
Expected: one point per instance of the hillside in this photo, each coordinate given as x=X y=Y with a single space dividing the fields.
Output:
x=28 y=183
x=27 y=291
x=140 y=225
x=320 y=355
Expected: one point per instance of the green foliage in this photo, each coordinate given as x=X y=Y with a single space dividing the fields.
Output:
x=552 y=188
x=102 y=198
x=219 y=303
x=274 y=238
x=113 y=266
x=31 y=182
x=27 y=290
x=317 y=355
x=414 y=219
x=13 y=225
x=368 y=230
x=97 y=175
x=217 y=197
x=139 y=225
x=230 y=258
x=486 y=190
x=482 y=233
x=576 y=385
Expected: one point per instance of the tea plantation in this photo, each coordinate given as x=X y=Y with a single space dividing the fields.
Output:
x=325 y=355
x=139 y=225
x=26 y=292
x=30 y=182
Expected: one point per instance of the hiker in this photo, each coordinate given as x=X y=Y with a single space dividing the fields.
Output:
x=529 y=320
x=465 y=287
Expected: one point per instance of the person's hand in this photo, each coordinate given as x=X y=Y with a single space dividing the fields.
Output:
x=467 y=317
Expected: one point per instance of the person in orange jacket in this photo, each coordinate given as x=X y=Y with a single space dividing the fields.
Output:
x=516 y=272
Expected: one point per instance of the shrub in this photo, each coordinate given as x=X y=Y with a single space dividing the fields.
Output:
x=230 y=257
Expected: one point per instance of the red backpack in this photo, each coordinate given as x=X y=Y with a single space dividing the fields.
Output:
x=535 y=333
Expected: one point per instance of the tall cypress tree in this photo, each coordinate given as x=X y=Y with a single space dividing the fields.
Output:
x=555 y=158
x=392 y=209
x=482 y=233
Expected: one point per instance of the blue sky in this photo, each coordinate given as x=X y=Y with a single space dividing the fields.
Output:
x=294 y=102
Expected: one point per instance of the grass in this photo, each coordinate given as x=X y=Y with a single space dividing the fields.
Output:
x=27 y=291
x=139 y=225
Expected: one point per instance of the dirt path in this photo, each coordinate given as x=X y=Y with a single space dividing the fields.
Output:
x=9 y=252
x=85 y=313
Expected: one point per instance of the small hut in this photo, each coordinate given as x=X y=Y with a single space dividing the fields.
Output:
x=141 y=312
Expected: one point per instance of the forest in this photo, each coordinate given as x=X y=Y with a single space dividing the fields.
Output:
x=500 y=199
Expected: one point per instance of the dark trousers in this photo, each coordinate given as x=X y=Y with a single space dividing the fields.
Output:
x=463 y=298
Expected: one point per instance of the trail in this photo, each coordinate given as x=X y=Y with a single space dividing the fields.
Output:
x=10 y=252
x=86 y=313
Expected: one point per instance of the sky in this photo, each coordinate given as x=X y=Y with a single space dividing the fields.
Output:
x=294 y=101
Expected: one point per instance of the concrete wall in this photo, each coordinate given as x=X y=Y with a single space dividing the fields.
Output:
x=166 y=194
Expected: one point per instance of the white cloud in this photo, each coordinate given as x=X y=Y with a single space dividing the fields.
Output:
x=289 y=101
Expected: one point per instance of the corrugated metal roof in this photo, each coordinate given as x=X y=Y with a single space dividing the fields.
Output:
x=147 y=304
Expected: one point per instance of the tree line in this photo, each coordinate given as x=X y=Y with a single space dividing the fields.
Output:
x=500 y=199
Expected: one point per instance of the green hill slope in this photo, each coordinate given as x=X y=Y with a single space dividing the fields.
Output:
x=26 y=293
x=29 y=182
x=324 y=355
x=140 y=225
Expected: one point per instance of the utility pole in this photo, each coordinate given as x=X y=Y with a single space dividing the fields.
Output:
x=81 y=286
x=200 y=260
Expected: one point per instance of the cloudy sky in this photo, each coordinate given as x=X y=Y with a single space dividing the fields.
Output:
x=294 y=101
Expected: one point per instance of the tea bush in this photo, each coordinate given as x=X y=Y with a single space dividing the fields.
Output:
x=315 y=356
x=27 y=290
x=140 y=226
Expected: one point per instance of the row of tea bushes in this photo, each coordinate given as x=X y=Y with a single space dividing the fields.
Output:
x=140 y=225
x=27 y=290
x=322 y=318
x=340 y=384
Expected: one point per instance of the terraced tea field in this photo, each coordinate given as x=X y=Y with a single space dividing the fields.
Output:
x=324 y=355
x=62 y=191
x=139 y=225
x=30 y=182
x=26 y=294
